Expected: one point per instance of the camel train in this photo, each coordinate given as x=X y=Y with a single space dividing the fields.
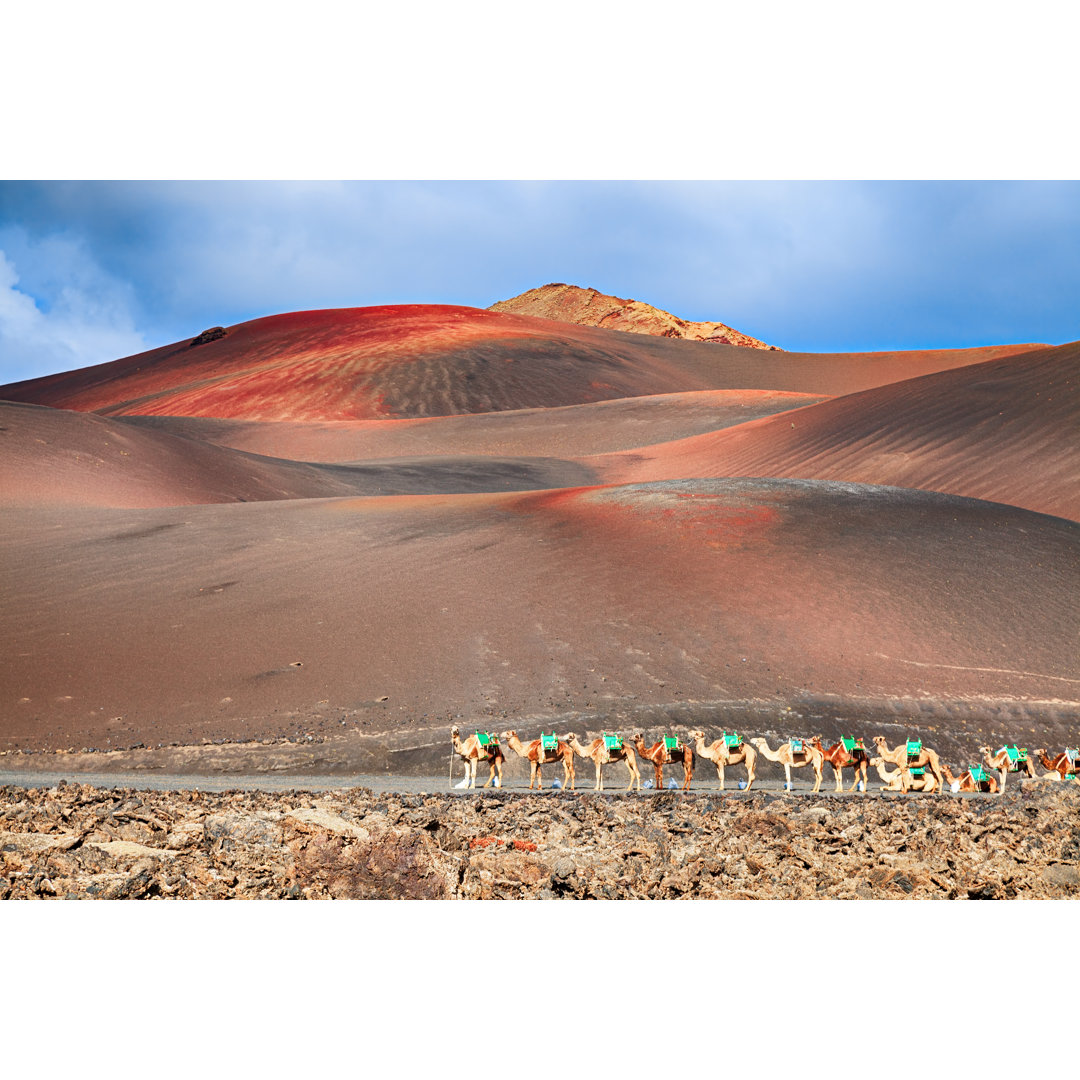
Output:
x=914 y=767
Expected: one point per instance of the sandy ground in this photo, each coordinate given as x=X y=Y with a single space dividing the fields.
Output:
x=511 y=522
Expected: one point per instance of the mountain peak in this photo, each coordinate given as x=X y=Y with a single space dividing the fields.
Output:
x=589 y=307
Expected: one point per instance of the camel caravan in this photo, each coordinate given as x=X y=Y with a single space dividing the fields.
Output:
x=910 y=766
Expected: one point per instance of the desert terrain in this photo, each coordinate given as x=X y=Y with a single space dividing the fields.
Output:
x=312 y=542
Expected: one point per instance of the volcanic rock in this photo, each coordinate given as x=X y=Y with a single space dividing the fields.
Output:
x=587 y=307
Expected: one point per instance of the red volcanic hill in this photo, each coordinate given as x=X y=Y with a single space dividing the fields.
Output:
x=1005 y=430
x=423 y=515
x=588 y=307
x=429 y=360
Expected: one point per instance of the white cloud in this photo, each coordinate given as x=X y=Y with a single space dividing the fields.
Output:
x=76 y=316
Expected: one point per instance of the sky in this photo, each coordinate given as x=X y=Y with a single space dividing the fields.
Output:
x=94 y=270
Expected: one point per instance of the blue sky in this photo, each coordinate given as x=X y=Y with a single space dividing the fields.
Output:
x=90 y=271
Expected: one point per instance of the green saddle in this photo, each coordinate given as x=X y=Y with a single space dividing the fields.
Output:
x=914 y=749
x=731 y=739
x=612 y=741
x=796 y=746
x=1016 y=755
x=671 y=742
x=978 y=774
x=487 y=738
x=549 y=742
x=918 y=771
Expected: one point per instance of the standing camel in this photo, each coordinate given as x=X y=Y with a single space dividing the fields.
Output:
x=975 y=779
x=899 y=756
x=1065 y=764
x=846 y=754
x=660 y=754
x=723 y=753
x=893 y=779
x=790 y=758
x=1004 y=762
x=537 y=755
x=472 y=751
x=606 y=749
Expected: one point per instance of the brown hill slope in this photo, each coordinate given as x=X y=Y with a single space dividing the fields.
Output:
x=1005 y=430
x=587 y=307
x=571 y=431
x=234 y=621
x=428 y=360
x=53 y=457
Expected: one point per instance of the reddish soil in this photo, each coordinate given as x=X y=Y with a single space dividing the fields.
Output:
x=567 y=432
x=392 y=519
x=427 y=360
x=1004 y=430
x=204 y=621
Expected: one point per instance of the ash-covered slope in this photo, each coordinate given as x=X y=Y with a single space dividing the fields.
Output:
x=430 y=360
x=232 y=621
x=54 y=457
x=1005 y=430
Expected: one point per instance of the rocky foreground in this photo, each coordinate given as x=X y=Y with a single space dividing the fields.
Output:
x=77 y=841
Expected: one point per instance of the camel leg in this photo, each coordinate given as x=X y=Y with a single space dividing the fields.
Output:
x=1002 y=773
x=470 y=767
x=817 y=778
x=599 y=786
x=498 y=766
x=720 y=773
x=787 y=776
x=838 y=776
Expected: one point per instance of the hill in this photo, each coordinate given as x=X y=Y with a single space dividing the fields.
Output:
x=587 y=307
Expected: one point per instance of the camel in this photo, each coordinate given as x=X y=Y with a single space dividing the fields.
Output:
x=841 y=756
x=601 y=754
x=472 y=753
x=899 y=756
x=971 y=780
x=793 y=759
x=660 y=754
x=1065 y=766
x=723 y=755
x=1004 y=763
x=893 y=779
x=537 y=755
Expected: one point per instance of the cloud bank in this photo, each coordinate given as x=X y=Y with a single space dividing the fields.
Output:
x=93 y=271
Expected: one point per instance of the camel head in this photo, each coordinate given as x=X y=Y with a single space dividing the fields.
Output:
x=986 y=750
x=876 y=761
x=1041 y=753
x=455 y=732
x=693 y=736
x=508 y=735
x=880 y=743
